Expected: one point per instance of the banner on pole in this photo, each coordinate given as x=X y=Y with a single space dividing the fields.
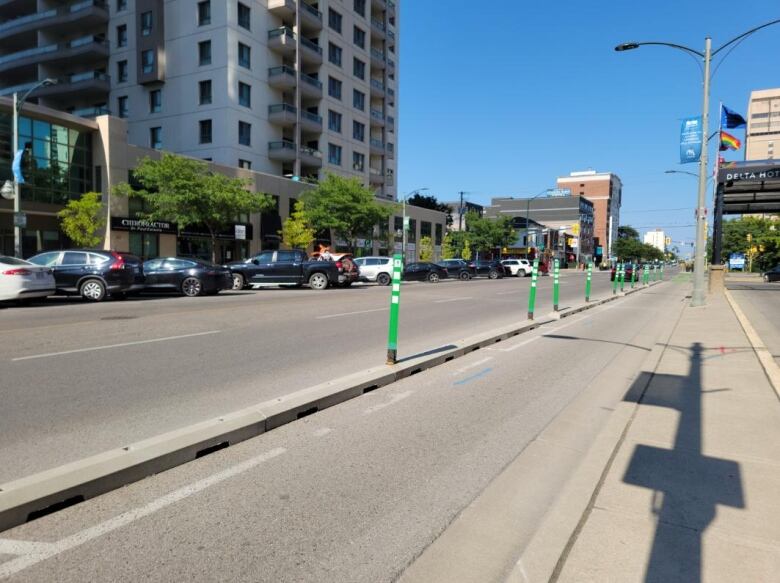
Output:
x=690 y=140
x=16 y=167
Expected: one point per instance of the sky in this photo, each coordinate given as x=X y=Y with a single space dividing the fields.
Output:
x=502 y=99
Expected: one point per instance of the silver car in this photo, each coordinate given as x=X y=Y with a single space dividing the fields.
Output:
x=22 y=280
x=378 y=269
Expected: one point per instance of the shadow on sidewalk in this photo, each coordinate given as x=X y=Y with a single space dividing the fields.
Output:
x=687 y=485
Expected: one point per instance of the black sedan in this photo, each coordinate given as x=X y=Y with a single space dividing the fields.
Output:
x=424 y=271
x=457 y=268
x=191 y=277
x=773 y=274
x=492 y=268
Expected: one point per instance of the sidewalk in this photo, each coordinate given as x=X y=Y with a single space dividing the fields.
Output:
x=693 y=490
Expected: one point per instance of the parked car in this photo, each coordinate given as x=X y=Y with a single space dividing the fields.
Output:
x=457 y=268
x=284 y=268
x=773 y=274
x=378 y=269
x=491 y=268
x=424 y=271
x=629 y=267
x=518 y=267
x=93 y=273
x=21 y=280
x=191 y=277
x=349 y=272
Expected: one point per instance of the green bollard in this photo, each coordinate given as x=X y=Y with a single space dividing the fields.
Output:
x=615 y=280
x=587 y=282
x=532 y=292
x=646 y=275
x=655 y=273
x=633 y=276
x=622 y=276
x=395 y=302
x=556 y=284
x=662 y=272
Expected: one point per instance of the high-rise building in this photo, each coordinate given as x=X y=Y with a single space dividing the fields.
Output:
x=287 y=87
x=763 y=128
x=605 y=191
x=657 y=239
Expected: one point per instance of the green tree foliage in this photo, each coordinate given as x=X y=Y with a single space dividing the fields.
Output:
x=431 y=202
x=82 y=219
x=185 y=191
x=765 y=235
x=630 y=249
x=488 y=234
x=453 y=245
x=627 y=232
x=344 y=206
x=466 y=252
x=426 y=248
x=296 y=232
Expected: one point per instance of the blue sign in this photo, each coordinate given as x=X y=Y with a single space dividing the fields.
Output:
x=737 y=261
x=690 y=140
x=16 y=167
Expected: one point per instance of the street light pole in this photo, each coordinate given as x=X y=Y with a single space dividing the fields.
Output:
x=698 y=296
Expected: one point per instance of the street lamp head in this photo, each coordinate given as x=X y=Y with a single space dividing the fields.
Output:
x=626 y=47
x=48 y=82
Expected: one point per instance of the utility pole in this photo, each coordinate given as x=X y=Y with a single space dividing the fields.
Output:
x=460 y=212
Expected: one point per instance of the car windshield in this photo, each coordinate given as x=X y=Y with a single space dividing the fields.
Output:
x=13 y=260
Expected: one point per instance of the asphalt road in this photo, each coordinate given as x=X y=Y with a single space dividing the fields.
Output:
x=761 y=303
x=78 y=378
x=355 y=492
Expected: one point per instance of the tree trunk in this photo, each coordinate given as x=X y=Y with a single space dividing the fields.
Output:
x=213 y=234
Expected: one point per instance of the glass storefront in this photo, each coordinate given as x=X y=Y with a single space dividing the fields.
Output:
x=145 y=245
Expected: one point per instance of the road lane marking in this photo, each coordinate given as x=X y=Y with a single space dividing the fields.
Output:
x=507 y=293
x=518 y=345
x=393 y=400
x=325 y=317
x=76 y=540
x=122 y=345
x=474 y=377
x=473 y=365
x=22 y=547
x=452 y=300
x=322 y=432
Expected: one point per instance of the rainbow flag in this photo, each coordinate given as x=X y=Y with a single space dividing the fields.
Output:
x=729 y=142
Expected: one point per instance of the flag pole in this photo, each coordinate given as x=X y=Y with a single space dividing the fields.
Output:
x=717 y=204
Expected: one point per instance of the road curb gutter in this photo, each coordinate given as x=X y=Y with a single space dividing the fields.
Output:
x=46 y=492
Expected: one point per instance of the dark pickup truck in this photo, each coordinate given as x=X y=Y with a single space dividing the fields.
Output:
x=283 y=268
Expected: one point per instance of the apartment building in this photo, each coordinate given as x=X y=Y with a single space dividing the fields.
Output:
x=605 y=191
x=286 y=87
x=657 y=239
x=763 y=128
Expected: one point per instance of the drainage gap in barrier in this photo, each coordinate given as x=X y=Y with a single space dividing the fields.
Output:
x=415 y=371
x=56 y=507
x=307 y=412
x=371 y=388
x=449 y=358
x=211 y=449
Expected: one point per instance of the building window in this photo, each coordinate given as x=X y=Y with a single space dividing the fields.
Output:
x=121 y=71
x=358 y=161
x=121 y=106
x=359 y=37
x=359 y=131
x=155 y=138
x=334 y=154
x=204 y=92
x=155 y=101
x=204 y=127
x=121 y=5
x=147 y=62
x=244 y=16
x=146 y=23
x=245 y=164
x=334 y=121
x=121 y=35
x=145 y=245
x=359 y=68
x=244 y=133
x=244 y=94
x=334 y=20
x=360 y=7
x=244 y=56
x=334 y=54
x=358 y=100
x=204 y=52
x=334 y=88
x=204 y=13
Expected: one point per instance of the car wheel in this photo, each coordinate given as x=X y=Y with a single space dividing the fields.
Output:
x=191 y=287
x=238 y=281
x=493 y=274
x=433 y=277
x=318 y=281
x=464 y=276
x=92 y=290
x=383 y=279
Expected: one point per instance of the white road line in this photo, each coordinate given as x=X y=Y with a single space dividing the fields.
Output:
x=76 y=540
x=507 y=293
x=452 y=300
x=22 y=547
x=107 y=346
x=472 y=365
x=393 y=400
x=322 y=432
x=518 y=345
x=351 y=313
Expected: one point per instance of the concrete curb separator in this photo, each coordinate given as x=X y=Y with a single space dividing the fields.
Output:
x=771 y=369
x=38 y=494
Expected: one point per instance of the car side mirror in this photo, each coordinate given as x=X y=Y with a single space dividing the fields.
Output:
x=255 y=261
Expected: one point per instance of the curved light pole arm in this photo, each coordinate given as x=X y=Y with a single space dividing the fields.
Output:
x=630 y=46
x=743 y=35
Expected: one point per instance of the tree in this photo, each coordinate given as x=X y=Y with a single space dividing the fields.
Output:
x=765 y=238
x=185 y=191
x=431 y=202
x=629 y=249
x=82 y=219
x=453 y=244
x=296 y=232
x=466 y=253
x=426 y=248
x=627 y=232
x=344 y=206
x=488 y=234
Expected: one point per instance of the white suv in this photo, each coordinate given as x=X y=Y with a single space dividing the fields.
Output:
x=518 y=267
x=378 y=269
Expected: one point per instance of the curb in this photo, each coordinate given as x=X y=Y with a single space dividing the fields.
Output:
x=46 y=492
x=768 y=363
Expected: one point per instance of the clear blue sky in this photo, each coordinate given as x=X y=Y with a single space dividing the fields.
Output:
x=501 y=100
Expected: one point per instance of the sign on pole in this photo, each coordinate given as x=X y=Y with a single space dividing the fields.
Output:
x=395 y=302
x=20 y=220
x=690 y=140
x=532 y=292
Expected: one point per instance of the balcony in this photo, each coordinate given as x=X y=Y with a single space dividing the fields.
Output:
x=379 y=4
x=91 y=111
x=282 y=114
x=282 y=151
x=282 y=8
x=378 y=29
x=376 y=147
x=310 y=87
x=391 y=5
x=282 y=77
x=391 y=63
x=87 y=84
x=311 y=18
x=311 y=52
x=310 y=157
x=66 y=19
x=378 y=60
x=390 y=151
x=377 y=118
x=86 y=48
x=377 y=88
x=282 y=40
x=311 y=122
x=375 y=176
